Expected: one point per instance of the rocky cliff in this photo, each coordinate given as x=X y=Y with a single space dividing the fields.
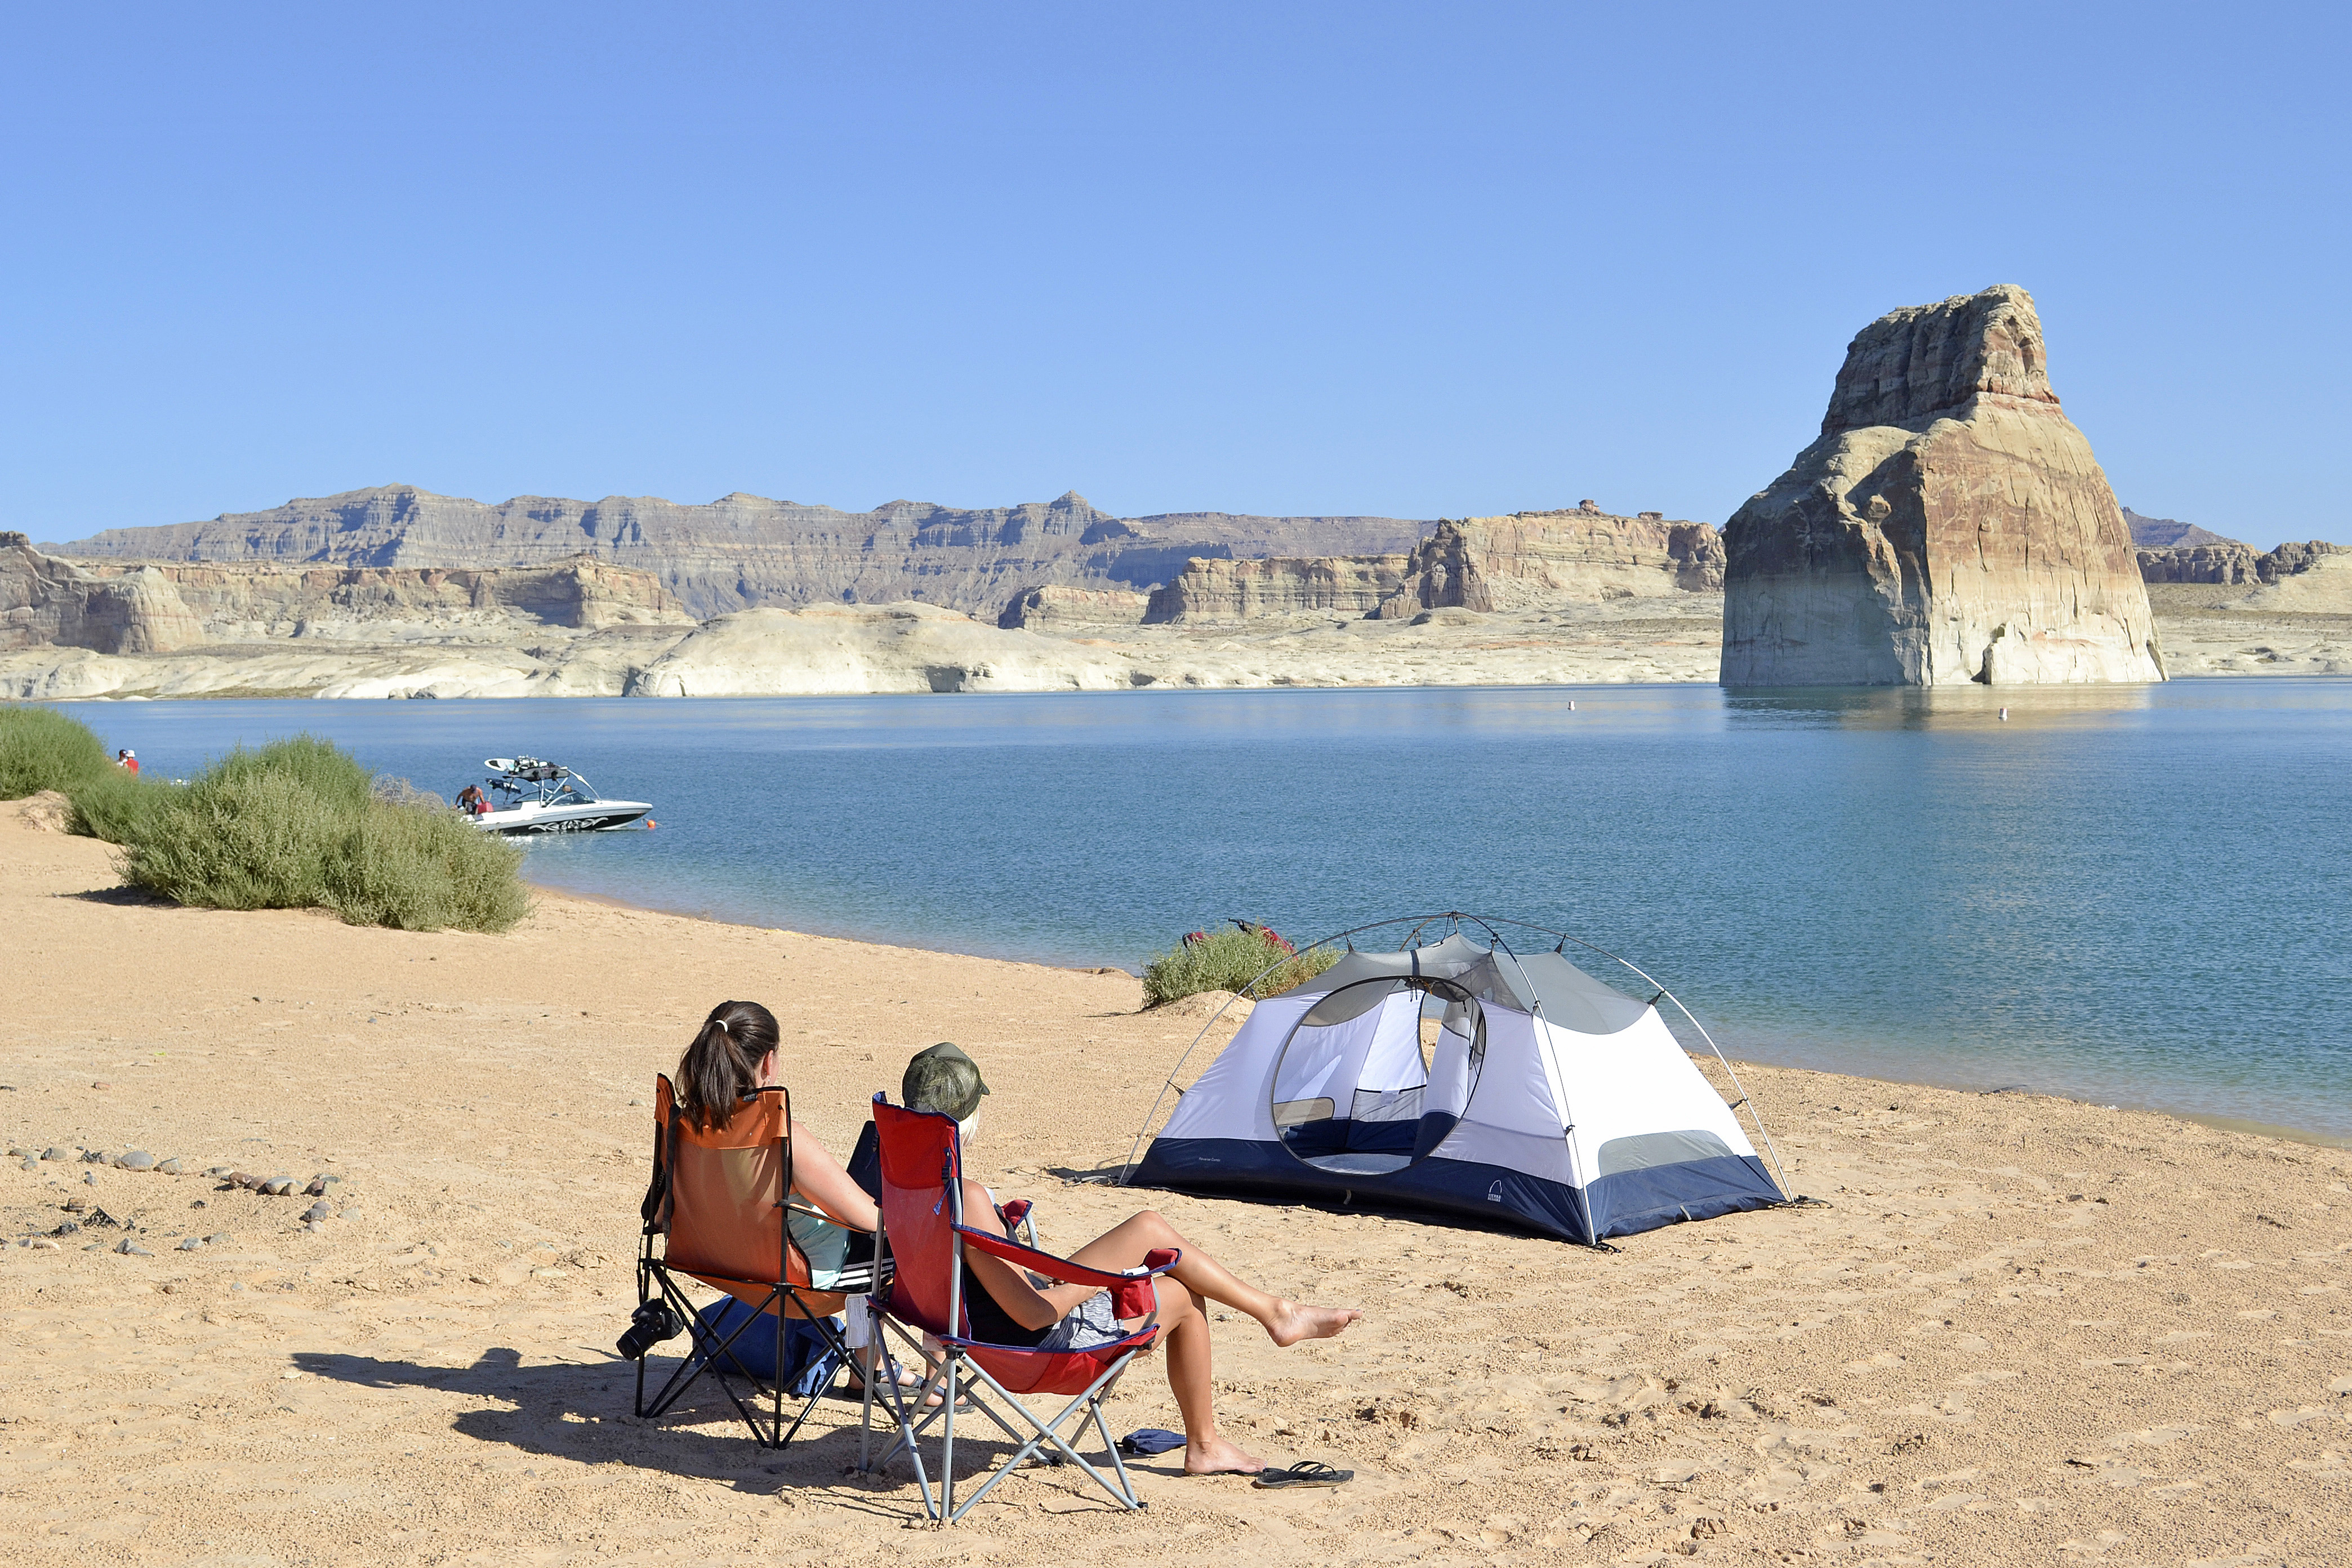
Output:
x=1526 y=561
x=2226 y=561
x=743 y=551
x=48 y=603
x=1949 y=524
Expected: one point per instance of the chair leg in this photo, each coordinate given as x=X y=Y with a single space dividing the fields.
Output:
x=947 y=1449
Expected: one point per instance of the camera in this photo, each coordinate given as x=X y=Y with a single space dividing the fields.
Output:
x=651 y=1323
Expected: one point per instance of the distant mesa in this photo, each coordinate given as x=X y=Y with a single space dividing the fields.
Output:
x=745 y=550
x=2164 y=534
x=1949 y=524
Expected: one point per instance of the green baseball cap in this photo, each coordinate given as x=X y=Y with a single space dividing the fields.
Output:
x=944 y=1079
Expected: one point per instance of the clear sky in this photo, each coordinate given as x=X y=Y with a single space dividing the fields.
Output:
x=1415 y=260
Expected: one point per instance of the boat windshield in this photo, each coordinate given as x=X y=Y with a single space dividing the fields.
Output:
x=576 y=788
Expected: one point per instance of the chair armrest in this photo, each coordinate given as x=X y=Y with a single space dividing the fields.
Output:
x=1130 y=1288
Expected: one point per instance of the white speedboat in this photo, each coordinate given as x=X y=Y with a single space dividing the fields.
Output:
x=524 y=794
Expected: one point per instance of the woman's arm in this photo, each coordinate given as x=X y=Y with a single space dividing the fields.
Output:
x=818 y=1177
x=1022 y=1302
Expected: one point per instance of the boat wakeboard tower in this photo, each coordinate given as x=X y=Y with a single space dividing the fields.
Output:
x=524 y=794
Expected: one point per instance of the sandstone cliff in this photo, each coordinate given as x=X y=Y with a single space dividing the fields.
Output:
x=1055 y=607
x=1949 y=524
x=743 y=551
x=2226 y=561
x=48 y=603
x=1526 y=561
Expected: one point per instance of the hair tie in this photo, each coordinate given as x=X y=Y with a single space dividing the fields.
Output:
x=722 y=1028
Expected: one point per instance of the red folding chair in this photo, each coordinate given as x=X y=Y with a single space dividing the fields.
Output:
x=923 y=1237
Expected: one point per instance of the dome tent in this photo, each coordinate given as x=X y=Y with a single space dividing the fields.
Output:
x=1464 y=1078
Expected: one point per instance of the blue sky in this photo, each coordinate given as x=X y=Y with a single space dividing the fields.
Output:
x=1414 y=260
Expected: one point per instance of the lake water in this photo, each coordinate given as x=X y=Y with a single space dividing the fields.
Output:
x=2136 y=895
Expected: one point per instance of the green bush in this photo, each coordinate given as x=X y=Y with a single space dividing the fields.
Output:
x=1228 y=960
x=41 y=748
x=111 y=806
x=420 y=870
x=297 y=824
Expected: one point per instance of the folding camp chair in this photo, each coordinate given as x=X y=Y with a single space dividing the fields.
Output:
x=721 y=1209
x=924 y=1238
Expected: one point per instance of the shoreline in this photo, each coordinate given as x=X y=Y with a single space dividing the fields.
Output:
x=2257 y=674
x=2314 y=1137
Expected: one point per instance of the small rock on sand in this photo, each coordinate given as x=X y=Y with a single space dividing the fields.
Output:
x=43 y=1244
x=54 y=1152
x=190 y=1242
x=216 y=1238
x=137 y=1159
x=279 y=1186
x=319 y=1211
x=170 y=1167
x=89 y=1178
x=130 y=1248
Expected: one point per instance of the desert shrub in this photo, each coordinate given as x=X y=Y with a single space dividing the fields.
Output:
x=1228 y=960
x=419 y=868
x=41 y=748
x=298 y=823
x=111 y=806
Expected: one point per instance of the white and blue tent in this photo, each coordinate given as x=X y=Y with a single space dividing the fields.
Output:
x=1463 y=1077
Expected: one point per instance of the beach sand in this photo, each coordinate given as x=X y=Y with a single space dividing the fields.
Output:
x=2026 y=1330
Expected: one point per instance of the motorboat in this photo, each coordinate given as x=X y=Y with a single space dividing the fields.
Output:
x=524 y=794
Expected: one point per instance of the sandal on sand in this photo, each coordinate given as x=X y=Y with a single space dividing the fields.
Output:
x=1306 y=1473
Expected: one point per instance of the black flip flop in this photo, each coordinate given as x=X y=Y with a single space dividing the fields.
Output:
x=1306 y=1473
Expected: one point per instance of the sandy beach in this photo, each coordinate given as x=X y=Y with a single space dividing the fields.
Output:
x=2024 y=1330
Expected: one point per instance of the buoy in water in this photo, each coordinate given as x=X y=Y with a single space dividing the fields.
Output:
x=1572 y=704
x=2004 y=715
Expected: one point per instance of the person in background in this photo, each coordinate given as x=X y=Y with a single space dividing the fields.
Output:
x=1010 y=1309
x=127 y=758
x=472 y=801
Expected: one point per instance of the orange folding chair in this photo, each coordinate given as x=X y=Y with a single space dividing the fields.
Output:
x=720 y=1210
x=924 y=1238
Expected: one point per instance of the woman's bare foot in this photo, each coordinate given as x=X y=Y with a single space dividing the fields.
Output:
x=1218 y=1457
x=1296 y=1320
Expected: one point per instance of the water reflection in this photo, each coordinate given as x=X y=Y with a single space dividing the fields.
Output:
x=1938 y=707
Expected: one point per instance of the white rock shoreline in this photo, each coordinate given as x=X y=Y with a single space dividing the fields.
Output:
x=875 y=649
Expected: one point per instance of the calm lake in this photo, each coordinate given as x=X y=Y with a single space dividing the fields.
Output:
x=2136 y=895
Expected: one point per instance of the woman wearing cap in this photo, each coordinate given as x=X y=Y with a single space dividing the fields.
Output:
x=1008 y=1309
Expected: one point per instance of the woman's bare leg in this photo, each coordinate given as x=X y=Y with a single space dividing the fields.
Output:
x=1185 y=1316
x=1286 y=1321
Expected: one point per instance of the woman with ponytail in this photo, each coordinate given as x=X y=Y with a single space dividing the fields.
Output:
x=733 y=1057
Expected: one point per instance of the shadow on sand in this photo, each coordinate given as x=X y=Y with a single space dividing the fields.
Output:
x=581 y=1411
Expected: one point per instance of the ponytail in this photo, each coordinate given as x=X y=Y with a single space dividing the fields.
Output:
x=721 y=1067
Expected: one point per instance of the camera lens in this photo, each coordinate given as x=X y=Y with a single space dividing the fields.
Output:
x=649 y=1325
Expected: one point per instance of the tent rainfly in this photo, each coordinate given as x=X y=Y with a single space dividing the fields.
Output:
x=1464 y=1078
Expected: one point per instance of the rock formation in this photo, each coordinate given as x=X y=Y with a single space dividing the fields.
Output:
x=1526 y=561
x=1053 y=606
x=2226 y=561
x=1246 y=590
x=48 y=603
x=743 y=551
x=2168 y=534
x=1948 y=525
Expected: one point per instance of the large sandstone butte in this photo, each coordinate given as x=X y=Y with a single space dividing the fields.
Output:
x=1949 y=525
